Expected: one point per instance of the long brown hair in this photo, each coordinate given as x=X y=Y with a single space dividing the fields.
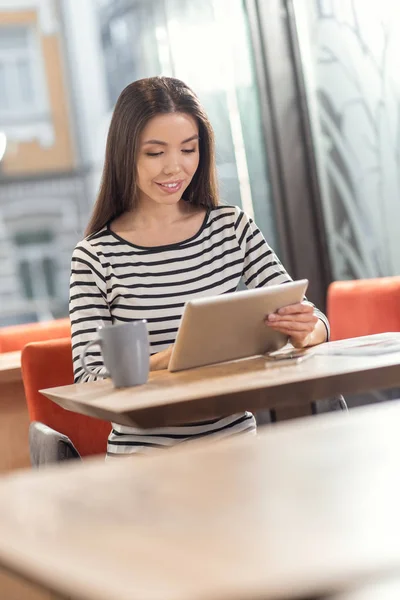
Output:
x=138 y=103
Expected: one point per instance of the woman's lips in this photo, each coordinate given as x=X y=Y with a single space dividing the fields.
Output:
x=170 y=187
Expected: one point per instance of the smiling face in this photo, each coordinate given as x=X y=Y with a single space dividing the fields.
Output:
x=168 y=157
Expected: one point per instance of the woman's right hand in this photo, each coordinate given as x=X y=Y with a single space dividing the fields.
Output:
x=161 y=360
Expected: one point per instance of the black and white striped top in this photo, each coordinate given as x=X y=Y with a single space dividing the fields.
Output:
x=113 y=280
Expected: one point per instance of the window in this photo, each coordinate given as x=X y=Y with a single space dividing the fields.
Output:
x=128 y=34
x=37 y=268
x=21 y=83
x=209 y=47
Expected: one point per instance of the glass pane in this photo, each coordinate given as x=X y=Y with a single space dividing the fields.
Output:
x=38 y=272
x=49 y=274
x=350 y=52
x=24 y=75
x=39 y=236
x=130 y=44
x=211 y=51
x=3 y=88
x=13 y=38
x=26 y=280
x=16 y=79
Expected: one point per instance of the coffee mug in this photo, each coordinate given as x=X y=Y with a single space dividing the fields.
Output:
x=126 y=353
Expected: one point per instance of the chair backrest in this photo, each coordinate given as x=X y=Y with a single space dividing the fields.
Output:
x=363 y=307
x=16 y=337
x=49 y=364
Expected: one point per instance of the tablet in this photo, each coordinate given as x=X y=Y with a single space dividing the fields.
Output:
x=231 y=326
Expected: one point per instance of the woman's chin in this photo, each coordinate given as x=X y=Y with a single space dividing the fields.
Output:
x=168 y=200
x=171 y=200
x=165 y=200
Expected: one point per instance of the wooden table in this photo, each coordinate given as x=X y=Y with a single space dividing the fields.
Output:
x=251 y=384
x=14 y=420
x=305 y=508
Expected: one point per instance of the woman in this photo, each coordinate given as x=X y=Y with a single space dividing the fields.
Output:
x=158 y=236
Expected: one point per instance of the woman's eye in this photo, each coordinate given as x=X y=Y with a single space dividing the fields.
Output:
x=160 y=153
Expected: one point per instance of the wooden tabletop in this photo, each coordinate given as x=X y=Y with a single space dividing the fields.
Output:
x=10 y=367
x=251 y=384
x=302 y=509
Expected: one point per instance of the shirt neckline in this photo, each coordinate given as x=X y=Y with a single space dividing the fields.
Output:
x=165 y=246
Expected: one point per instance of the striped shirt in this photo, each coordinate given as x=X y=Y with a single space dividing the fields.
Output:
x=113 y=281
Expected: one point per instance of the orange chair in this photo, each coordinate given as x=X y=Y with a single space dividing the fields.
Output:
x=363 y=307
x=16 y=337
x=49 y=364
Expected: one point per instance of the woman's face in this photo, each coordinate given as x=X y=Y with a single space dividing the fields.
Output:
x=168 y=157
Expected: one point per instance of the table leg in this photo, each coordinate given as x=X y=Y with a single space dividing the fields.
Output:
x=291 y=412
x=14 y=425
x=313 y=408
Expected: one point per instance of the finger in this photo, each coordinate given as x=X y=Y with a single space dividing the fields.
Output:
x=297 y=338
x=300 y=342
x=294 y=326
x=298 y=335
x=302 y=317
x=302 y=307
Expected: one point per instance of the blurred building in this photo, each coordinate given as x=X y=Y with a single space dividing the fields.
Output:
x=41 y=189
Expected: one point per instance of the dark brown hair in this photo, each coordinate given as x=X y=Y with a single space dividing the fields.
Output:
x=139 y=102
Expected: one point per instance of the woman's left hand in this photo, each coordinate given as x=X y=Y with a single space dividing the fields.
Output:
x=297 y=321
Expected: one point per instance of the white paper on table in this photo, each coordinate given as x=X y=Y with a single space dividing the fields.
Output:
x=380 y=343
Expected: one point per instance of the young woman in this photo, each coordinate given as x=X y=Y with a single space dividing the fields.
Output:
x=158 y=237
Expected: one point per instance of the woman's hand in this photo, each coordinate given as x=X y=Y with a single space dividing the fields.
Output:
x=161 y=359
x=299 y=322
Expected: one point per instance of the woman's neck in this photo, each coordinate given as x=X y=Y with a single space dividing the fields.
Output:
x=155 y=228
x=149 y=215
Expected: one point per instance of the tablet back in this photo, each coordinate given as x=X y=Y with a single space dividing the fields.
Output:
x=230 y=326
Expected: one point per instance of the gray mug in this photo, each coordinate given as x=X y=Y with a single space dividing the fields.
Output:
x=126 y=353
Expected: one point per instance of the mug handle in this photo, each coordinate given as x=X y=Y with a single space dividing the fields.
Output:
x=85 y=367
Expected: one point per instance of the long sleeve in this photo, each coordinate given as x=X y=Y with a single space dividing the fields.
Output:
x=261 y=266
x=88 y=307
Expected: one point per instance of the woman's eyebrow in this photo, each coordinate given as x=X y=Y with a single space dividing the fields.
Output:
x=158 y=142
x=194 y=137
x=161 y=143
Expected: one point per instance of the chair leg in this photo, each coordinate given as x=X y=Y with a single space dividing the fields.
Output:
x=330 y=405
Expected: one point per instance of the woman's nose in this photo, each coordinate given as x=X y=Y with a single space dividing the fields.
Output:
x=172 y=167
